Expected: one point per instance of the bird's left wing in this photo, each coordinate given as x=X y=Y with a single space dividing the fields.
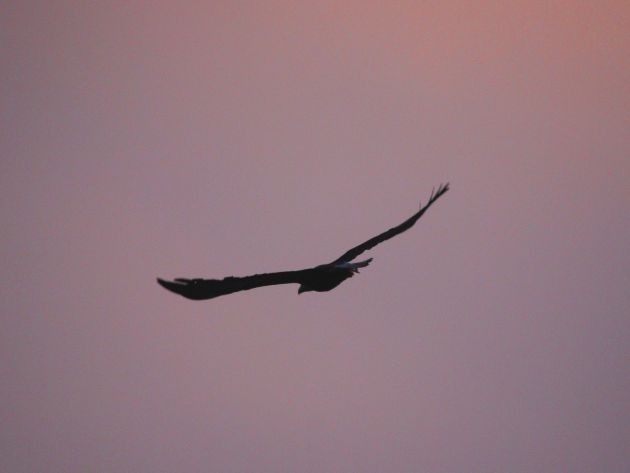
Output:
x=392 y=232
x=200 y=289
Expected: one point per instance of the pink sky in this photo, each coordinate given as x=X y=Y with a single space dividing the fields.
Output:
x=144 y=139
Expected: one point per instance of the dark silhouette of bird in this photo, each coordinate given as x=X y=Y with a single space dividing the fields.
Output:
x=319 y=278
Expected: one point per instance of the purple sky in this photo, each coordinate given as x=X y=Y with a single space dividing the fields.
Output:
x=143 y=139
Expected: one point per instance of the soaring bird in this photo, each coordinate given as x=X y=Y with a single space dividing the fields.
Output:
x=318 y=278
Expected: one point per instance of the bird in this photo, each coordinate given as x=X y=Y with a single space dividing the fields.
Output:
x=321 y=278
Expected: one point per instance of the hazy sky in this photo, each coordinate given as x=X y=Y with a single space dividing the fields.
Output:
x=181 y=139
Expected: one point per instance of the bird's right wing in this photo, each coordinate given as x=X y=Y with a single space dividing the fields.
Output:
x=201 y=289
x=392 y=232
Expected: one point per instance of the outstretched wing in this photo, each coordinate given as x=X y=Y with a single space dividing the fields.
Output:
x=392 y=232
x=200 y=289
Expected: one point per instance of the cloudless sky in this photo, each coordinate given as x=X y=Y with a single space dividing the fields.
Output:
x=206 y=139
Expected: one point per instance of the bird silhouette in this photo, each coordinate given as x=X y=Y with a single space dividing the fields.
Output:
x=321 y=278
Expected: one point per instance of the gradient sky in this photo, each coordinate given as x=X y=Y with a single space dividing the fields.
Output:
x=142 y=139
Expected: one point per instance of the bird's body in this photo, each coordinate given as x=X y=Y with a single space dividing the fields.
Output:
x=321 y=278
x=325 y=277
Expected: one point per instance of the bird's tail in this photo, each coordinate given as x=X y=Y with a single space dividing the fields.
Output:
x=354 y=267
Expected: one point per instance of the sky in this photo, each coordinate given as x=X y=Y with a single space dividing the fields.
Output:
x=206 y=139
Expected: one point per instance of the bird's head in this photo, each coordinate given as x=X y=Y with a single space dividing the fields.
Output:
x=303 y=288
